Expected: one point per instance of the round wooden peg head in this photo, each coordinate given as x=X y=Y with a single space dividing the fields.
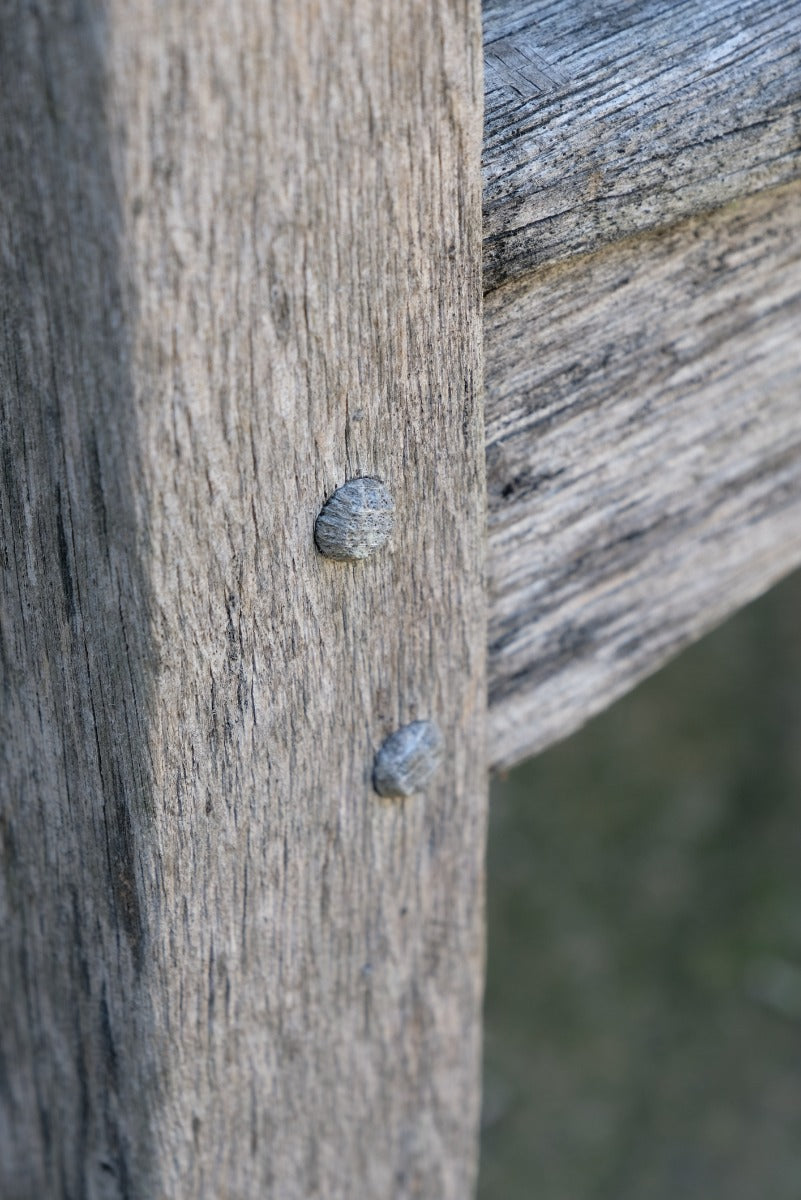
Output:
x=408 y=759
x=356 y=521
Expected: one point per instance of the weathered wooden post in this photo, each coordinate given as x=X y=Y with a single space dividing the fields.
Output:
x=241 y=265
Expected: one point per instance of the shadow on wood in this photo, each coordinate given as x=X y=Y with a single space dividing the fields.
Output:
x=74 y=642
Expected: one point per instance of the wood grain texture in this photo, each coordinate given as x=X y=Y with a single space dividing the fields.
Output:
x=604 y=119
x=240 y=248
x=643 y=457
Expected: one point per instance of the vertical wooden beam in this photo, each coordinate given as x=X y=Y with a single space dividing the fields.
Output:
x=241 y=264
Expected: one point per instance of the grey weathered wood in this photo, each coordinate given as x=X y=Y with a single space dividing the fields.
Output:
x=643 y=387
x=604 y=119
x=644 y=456
x=240 y=254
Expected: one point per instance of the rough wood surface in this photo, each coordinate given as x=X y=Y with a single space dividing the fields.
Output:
x=644 y=456
x=240 y=254
x=603 y=118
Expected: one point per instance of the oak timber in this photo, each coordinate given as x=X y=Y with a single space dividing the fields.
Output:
x=604 y=119
x=643 y=457
x=642 y=334
x=240 y=255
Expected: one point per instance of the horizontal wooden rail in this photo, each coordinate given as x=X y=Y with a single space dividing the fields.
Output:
x=608 y=119
x=642 y=319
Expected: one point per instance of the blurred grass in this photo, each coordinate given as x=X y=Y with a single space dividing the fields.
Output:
x=643 y=1006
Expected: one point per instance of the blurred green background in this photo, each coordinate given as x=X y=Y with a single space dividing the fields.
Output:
x=643 y=1005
